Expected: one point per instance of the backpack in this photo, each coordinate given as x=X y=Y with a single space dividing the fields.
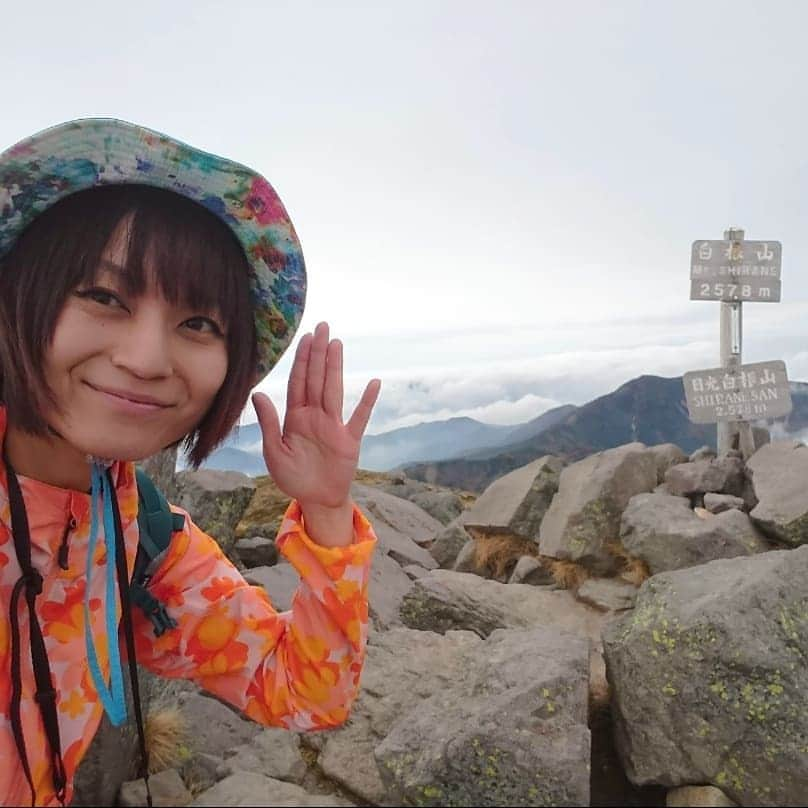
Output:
x=156 y=523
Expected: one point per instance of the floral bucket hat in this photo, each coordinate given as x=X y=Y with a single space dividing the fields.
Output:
x=90 y=152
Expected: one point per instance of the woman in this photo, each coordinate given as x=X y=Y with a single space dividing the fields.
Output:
x=145 y=288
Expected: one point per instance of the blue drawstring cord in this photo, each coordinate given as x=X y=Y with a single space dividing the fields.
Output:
x=112 y=698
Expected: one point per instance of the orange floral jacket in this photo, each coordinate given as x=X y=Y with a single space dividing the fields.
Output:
x=298 y=669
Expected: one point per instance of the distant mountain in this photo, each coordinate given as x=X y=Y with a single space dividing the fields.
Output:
x=649 y=409
x=435 y=440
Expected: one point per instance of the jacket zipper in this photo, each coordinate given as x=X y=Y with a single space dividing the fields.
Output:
x=64 y=547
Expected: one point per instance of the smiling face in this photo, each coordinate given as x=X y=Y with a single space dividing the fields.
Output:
x=126 y=325
x=131 y=373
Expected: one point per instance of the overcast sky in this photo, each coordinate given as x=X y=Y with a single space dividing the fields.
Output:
x=496 y=200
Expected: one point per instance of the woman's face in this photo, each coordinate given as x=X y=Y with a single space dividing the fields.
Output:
x=131 y=375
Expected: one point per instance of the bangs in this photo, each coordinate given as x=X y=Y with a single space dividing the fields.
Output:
x=172 y=244
x=191 y=257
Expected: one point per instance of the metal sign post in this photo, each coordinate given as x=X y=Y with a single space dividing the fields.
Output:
x=734 y=271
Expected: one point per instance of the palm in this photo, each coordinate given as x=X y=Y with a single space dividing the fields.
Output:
x=314 y=459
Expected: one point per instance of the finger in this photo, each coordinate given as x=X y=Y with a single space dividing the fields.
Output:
x=270 y=426
x=361 y=415
x=296 y=389
x=333 y=392
x=315 y=374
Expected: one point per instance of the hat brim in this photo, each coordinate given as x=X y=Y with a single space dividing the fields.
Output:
x=75 y=156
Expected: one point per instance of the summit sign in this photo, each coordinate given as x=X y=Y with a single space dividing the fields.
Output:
x=743 y=271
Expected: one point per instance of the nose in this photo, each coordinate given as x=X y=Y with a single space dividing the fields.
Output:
x=143 y=345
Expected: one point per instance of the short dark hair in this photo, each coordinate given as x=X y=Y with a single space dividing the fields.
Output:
x=197 y=262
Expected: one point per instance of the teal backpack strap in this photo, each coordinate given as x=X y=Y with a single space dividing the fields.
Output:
x=156 y=523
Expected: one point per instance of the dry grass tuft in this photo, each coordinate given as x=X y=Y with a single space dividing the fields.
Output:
x=566 y=574
x=498 y=552
x=166 y=738
x=634 y=570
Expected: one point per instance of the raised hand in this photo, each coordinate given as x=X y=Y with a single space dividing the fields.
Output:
x=314 y=459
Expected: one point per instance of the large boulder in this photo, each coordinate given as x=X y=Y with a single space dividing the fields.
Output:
x=585 y=513
x=448 y=543
x=666 y=456
x=513 y=733
x=249 y=788
x=399 y=525
x=664 y=532
x=264 y=514
x=779 y=472
x=216 y=501
x=723 y=475
x=517 y=502
x=709 y=678
x=446 y=600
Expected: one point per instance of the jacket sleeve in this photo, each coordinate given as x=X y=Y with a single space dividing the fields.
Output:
x=298 y=669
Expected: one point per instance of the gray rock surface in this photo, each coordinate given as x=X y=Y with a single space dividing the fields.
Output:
x=166 y=787
x=585 y=513
x=607 y=594
x=212 y=727
x=280 y=582
x=257 y=551
x=666 y=456
x=698 y=797
x=709 y=678
x=517 y=502
x=703 y=453
x=665 y=533
x=528 y=570
x=448 y=543
x=515 y=732
x=717 y=503
x=250 y=789
x=724 y=475
x=273 y=753
x=387 y=587
x=216 y=501
x=779 y=472
x=399 y=525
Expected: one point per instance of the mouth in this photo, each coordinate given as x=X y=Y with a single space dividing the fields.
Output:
x=138 y=401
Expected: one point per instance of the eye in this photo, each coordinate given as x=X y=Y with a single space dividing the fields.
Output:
x=204 y=325
x=101 y=296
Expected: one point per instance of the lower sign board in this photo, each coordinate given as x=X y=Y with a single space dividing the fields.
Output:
x=743 y=393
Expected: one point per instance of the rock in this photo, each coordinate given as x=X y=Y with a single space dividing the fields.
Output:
x=448 y=543
x=709 y=678
x=443 y=505
x=167 y=789
x=403 y=668
x=716 y=503
x=585 y=513
x=704 y=453
x=386 y=589
x=607 y=594
x=257 y=551
x=698 y=797
x=414 y=571
x=446 y=600
x=515 y=734
x=666 y=456
x=466 y=560
x=273 y=753
x=201 y=771
x=264 y=514
x=280 y=582
x=213 y=727
x=761 y=436
x=665 y=533
x=528 y=570
x=248 y=788
x=779 y=472
x=516 y=503
x=216 y=501
x=398 y=524
x=723 y=475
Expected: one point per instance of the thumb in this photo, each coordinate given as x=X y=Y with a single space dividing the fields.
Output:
x=269 y=422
